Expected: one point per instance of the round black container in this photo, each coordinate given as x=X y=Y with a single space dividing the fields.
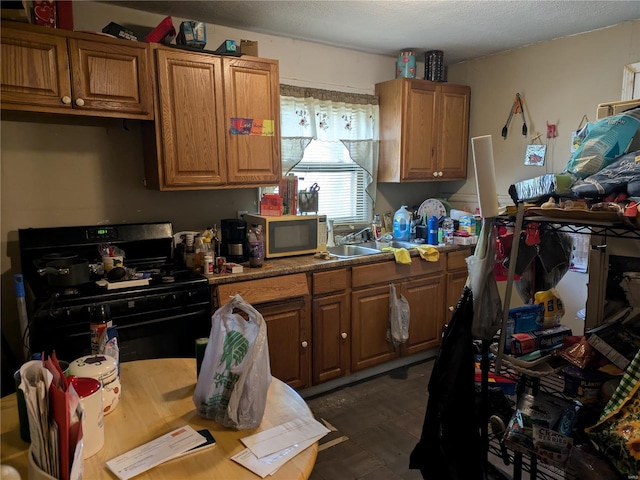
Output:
x=434 y=66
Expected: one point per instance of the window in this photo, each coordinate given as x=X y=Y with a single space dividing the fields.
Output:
x=342 y=196
x=331 y=138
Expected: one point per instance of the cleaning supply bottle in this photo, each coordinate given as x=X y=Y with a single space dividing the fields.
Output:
x=402 y=224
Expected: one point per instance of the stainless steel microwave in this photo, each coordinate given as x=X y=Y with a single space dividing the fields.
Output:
x=289 y=235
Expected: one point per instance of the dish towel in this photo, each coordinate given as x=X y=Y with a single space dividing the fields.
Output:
x=402 y=254
x=429 y=253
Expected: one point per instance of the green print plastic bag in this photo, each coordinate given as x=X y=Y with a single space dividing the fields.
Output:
x=235 y=375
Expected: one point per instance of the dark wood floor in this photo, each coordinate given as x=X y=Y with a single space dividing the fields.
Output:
x=382 y=417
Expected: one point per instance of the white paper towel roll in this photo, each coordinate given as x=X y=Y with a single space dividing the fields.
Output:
x=485 y=175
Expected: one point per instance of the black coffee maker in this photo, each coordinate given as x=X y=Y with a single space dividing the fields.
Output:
x=234 y=246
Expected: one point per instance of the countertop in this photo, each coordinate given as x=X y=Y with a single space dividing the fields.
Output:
x=307 y=263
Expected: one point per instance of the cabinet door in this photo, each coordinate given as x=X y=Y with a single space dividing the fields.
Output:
x=455 y=286
x=288 y=327
x=453 y=135
x=331 y=338
x=419 y=131
x=425 y=297
x=252 y=102
x=34 y=72
x=191 y=126
x=369 y=323
x=113 y=79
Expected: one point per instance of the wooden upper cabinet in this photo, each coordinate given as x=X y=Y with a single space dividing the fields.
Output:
x=59 y=71
x=194 y=144
x=252 y=93
x=424 y=130
x=189 y=132
x=453 y=140
x=111 y=77
x=35 y=71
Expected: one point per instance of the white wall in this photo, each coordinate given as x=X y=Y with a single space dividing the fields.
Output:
x=91 y=171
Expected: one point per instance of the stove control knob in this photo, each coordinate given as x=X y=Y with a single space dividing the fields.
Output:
x=171 y=299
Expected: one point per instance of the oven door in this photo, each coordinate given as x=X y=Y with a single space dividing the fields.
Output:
x=150 y=332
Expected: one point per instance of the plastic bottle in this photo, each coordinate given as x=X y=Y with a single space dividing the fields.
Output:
x=447 y=231
x=377 y=226
x=256 y=246
x=402 y=224
x=208 y=264
x=432 y=226
x=100 y=320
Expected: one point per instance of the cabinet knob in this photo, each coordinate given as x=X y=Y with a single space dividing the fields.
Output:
x=343 y=334
x=305 y=344
x=435 y=174
x=451 y=308
x=66 y=100
x=79 y=102
x=439 y=174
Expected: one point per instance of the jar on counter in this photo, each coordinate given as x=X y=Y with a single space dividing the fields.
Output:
x=103 y=368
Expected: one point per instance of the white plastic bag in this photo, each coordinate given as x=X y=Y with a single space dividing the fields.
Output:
x=399 y=316
x=235 y=374
x=487 y=303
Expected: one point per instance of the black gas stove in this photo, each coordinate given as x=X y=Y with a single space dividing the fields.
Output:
x=158 y=309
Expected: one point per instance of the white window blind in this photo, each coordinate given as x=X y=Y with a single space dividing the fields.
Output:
x=342 y=195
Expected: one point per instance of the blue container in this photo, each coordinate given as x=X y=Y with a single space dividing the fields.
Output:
x=432 y=225
x=402 y=224
x=406 y=65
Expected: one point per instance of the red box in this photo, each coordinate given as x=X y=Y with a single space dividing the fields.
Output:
x=163 y=33
x=64 y=13
x=44 y=13
x=271 y=205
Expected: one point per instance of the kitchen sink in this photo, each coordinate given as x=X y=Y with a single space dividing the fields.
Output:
x=401 y=244
x=352 y=250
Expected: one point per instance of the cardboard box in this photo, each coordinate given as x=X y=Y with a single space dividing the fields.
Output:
x=616 y=342
x=249 y=47
x=120 y=32
x=232 y=268
x=528 y=342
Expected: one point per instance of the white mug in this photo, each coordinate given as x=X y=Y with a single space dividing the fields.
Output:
x=90 y=392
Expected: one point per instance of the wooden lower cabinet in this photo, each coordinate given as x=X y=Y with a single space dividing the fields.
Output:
x=288 y=329
x=426 y=300
x=457 y=274
x=331 y=338
x=369 y=323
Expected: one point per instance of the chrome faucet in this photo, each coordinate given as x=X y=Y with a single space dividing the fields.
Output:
x=352 y=236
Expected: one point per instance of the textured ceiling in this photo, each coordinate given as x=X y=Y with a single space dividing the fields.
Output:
x=462 y=29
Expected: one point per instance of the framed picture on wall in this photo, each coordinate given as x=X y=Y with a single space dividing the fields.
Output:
x=535 y=155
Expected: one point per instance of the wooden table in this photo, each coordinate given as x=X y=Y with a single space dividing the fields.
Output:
x=157 y=398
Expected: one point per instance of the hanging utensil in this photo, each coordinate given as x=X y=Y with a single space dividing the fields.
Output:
x=524 y=123
x=505 y=129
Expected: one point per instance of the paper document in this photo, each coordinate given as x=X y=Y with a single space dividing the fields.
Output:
x=155 y=452
x=268 y=450
x=277 y=438
x=271 y=463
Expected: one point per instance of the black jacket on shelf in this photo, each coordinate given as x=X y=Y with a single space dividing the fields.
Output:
x=450 y=447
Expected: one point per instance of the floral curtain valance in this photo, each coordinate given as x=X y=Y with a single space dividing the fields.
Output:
x=312 y=114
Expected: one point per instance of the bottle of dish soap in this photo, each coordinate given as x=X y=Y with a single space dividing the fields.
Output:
x=402 y=224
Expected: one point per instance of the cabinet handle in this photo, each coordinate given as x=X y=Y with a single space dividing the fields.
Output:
x=79 y=102
x=66 y=100
x=343 y=334
x=305 y=344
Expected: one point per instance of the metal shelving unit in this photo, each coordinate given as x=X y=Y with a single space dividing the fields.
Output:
x=552 y=382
